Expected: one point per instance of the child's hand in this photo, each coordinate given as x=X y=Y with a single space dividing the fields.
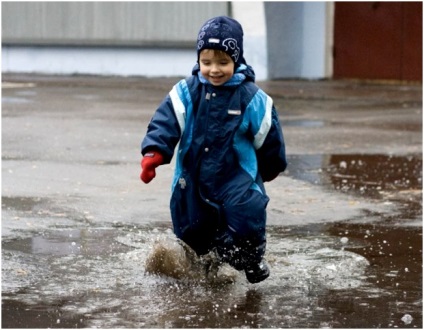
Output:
x=150 y=161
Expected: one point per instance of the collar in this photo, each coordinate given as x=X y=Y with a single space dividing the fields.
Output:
x=237 y=78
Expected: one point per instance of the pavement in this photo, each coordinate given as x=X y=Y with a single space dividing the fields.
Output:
x=344 y=219
x=70 y=148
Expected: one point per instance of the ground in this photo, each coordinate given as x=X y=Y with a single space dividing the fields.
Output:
x=352 y=193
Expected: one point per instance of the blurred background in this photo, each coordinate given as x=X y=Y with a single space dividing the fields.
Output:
x=283 y=40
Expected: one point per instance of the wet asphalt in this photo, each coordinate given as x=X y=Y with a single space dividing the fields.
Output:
x=345 y=219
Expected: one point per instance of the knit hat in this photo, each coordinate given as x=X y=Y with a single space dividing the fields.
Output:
x=222 y=33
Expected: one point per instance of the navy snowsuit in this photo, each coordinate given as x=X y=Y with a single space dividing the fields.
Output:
x=230 y=142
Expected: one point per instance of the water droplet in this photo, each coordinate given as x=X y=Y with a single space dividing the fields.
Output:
x=344 y=240
x=407 y=319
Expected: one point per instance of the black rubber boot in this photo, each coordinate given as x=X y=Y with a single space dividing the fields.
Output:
x=256 y=273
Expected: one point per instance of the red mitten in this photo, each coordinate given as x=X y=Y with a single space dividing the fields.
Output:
x=150 y=161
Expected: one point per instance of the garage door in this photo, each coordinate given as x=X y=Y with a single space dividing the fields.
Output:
x=378 y=40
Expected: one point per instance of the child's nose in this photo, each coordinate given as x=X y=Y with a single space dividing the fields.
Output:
x=214 y=68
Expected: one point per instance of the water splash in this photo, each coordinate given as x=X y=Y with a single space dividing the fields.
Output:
x=143 y=277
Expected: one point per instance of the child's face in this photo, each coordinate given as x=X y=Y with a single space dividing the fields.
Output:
x=216 y=66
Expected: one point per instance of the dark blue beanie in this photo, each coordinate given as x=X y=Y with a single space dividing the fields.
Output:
x=222 y=33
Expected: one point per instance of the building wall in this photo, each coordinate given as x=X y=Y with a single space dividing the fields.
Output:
x=282 y=39
x=378 y=40
x=251 y=16
x=104 y=38
x=299 y=39
x=163 y=24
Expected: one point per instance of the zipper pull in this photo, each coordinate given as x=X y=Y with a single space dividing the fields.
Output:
x=208 y=96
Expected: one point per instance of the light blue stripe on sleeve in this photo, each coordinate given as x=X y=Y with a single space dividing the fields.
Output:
x=177 y=96
x=183 y=108
x=244 y=149
x=260 y=112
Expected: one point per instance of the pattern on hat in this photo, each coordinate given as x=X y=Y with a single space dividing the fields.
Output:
x=222 y=33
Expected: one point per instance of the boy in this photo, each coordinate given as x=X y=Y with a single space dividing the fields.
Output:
x=230 y=142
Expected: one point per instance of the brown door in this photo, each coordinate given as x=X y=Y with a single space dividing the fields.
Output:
x=378 y=40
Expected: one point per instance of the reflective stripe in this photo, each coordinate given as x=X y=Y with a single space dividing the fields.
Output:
x=266 y=122
x=183 y=108
x=179 y=107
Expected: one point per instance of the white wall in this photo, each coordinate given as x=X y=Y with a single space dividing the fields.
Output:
x=313 y=43
x=152 y=38
x=98 y=61
x=136 y=61
x=281 y=40
x=298 y=38
x=251 y=15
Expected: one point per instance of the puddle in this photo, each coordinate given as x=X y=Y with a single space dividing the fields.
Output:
x=8 y=84
x=304 y=123
x=86 y=242
x=323 y=275
x=368 y=175
x=15 y=100
x=393 y=180
x=25 y=204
